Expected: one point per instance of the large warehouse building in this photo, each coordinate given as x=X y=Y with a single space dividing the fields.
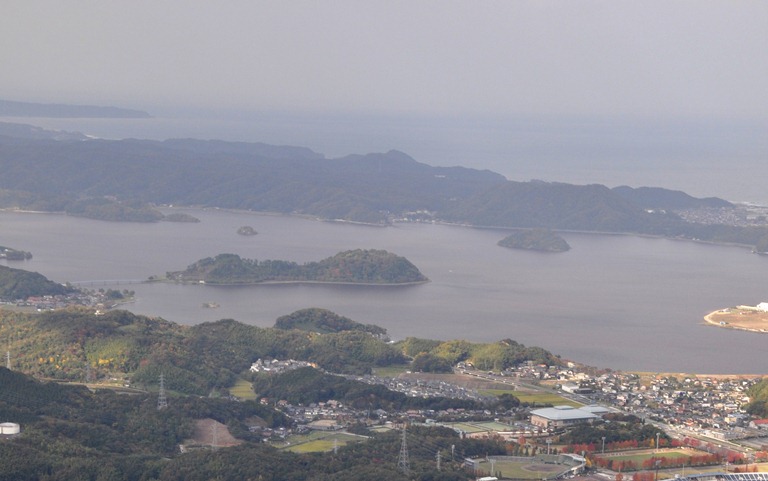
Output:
x=562 y=416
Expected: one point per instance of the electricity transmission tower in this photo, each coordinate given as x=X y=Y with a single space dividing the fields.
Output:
x=162 y=401
x=402 y=460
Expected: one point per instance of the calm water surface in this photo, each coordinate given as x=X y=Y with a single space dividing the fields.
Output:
x=612 y=301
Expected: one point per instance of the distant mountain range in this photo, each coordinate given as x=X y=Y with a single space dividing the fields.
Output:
x=121 y=178
x=10 y=108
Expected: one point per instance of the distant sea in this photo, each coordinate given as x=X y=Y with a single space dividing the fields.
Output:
x=703 y=158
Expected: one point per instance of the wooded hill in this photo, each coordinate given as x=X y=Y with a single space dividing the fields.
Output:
x=71 y=433
x=20 y=284
x=323 y=321
x=75 y=176
x=355 y=266
x=74 y=344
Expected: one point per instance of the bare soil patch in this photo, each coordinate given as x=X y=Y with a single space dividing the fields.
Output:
x=209 y=432
x=542 y=468
x=736 y=318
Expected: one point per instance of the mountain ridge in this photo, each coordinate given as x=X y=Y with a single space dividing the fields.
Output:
x=123 y=179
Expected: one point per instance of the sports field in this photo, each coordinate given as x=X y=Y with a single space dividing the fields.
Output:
x=522 y=468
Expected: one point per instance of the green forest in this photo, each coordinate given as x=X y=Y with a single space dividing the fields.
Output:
x=71 y=433
x=355 y=266
x=77 y=344
x=324 y=321
x=543 y=240
x=117 y=432
x=124 y=179
x=20 y=284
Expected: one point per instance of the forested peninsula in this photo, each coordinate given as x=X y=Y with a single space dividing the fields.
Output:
x=359 y=266
x=127 y=179
x=21 y=284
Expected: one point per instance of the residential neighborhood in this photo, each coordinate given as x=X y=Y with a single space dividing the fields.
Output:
x=707 y=408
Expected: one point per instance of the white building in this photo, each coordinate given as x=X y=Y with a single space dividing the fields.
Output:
x=560 y=416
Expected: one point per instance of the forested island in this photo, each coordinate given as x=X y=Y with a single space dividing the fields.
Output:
x=356 y=267
x=543 y=240
x=180 y=217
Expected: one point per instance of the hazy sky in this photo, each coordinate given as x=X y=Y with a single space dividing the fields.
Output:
x=648 y=58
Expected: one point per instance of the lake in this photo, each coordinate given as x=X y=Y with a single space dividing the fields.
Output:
x=623 y=302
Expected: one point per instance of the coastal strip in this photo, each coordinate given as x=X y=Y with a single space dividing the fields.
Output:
x=743 y=318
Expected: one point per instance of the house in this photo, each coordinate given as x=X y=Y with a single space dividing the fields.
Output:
x=759 y=424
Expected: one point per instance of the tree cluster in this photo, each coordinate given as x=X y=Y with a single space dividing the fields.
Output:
x=18 y=284
x=324 y=321
x=495 y=356
x=356 y=266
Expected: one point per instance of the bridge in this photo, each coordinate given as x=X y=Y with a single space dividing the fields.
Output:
x=107 y=282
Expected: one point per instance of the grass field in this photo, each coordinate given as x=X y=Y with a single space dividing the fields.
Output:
x=639 y=457
x=534 y=397
x=494 y=426
x=318 y=441
x=467 y=427
x=243 y=390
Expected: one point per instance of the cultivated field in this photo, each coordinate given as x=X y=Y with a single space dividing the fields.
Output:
x=541 y=397
x=243 y=389
x=318 y=441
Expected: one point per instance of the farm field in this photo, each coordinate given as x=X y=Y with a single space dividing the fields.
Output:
x=534 y=397
x=243 y=389
x=318 y=441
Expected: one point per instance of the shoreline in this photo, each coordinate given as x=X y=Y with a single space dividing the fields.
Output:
x=709 y=320
x=276 y=283
x=396 y=221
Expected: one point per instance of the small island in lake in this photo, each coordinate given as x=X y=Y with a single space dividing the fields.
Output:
x=543 y=240
x=14 y=254
x=247 y=230
x=376 y=267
